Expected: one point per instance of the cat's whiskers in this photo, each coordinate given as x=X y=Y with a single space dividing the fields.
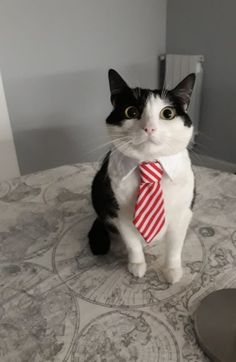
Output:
x=120 y=146
x=121 y=149
x=206 y=136
x=98 y=148
x=200 y=145
x=197 y=156
x=105 y=144
x=101 y=157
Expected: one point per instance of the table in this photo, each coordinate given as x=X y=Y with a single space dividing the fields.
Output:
x=61 y=303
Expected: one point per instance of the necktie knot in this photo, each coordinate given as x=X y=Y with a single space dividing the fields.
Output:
x=150 y=172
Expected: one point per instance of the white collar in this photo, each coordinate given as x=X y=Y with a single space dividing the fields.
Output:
x=125 y=165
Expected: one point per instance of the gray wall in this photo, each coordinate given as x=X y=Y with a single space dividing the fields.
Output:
x=208 y=27
x=54 y=56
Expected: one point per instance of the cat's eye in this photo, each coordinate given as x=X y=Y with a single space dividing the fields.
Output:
x=168 y=113
x=131 y=112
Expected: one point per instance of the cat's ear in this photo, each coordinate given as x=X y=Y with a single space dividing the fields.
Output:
x=117 y=84
x=184 y=89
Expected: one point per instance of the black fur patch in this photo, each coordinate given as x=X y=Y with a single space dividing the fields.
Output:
x=106 y=206
x=99 y=239
x=103 y=198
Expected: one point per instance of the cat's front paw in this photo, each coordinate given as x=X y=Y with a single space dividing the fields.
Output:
x=137 y=269
x=173 y=275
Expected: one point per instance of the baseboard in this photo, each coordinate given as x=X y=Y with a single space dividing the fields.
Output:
x=206 y=161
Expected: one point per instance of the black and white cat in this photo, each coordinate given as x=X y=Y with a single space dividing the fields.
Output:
x=145 y=125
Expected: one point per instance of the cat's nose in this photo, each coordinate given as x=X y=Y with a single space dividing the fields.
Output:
x=149 y=130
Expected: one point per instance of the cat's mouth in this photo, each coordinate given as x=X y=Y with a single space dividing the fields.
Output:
x=154 y=141
x=147 y=140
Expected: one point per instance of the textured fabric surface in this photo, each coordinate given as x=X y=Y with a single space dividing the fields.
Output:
x=60 y=303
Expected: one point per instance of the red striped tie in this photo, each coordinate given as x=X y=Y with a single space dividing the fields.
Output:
x=149 y=217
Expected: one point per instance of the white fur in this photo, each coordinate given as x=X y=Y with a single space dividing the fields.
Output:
x=169 y=138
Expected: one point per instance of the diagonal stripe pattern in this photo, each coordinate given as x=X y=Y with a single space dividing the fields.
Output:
x=149 y=216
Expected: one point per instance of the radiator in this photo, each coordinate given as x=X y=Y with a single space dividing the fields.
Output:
x=174 y=67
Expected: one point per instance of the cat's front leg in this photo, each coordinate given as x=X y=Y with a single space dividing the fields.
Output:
x=136 y=259
x=175 y=236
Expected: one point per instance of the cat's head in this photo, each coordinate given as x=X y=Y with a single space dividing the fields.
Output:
x=145 y=124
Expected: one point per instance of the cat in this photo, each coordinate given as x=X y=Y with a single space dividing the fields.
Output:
x=145 y=125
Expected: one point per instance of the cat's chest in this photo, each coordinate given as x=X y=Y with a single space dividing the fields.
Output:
x=126 y=190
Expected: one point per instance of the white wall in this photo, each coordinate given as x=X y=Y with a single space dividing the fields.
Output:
x=8 y=161
x=54 y=56
x=208 y=27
